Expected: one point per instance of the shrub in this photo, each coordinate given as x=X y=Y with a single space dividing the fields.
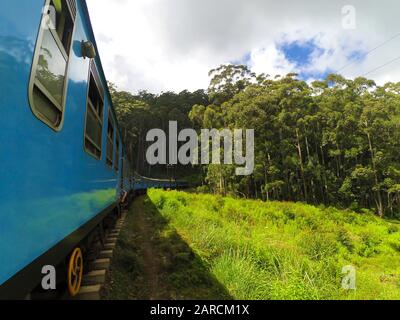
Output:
x=343 y=237
x=393 y=229
x=318 y=246
x=370 y=243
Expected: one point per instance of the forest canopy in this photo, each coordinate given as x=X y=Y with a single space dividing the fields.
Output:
x=332 y=142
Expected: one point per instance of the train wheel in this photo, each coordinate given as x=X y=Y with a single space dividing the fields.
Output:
x=75 y=272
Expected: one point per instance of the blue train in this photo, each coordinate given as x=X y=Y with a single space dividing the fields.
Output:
x=64 y=168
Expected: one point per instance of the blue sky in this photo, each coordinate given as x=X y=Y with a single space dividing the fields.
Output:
x=302 y=54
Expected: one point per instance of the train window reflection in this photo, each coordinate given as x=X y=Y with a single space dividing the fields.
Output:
x=110 y=140
x=94 y=114
x=48 y=76
x=117 y=155
x=51 y=67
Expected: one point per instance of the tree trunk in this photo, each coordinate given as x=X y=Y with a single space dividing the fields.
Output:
x=378 y=192
x=301 y=164
x=312 y=179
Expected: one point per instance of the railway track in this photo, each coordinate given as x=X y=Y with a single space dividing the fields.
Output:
x=94 y=271
x=98 y=267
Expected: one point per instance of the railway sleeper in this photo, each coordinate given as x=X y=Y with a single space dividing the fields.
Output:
x=94 y=279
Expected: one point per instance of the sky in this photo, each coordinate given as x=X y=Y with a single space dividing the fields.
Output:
x=171 y=45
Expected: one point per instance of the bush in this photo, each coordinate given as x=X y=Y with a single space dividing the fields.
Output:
x=318 y=246
x=370 y=243
x=343 y=237
x=203 y=189
x=393 y=229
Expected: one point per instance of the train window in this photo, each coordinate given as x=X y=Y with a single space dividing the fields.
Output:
x=48 y=77
x=94 y=114
x=117 y=155
x=64 y=22
x=110 y=140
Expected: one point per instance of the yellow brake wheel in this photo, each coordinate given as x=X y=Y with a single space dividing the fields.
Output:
x=75 y=272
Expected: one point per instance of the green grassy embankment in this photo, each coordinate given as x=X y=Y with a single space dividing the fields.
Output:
x=205 y=246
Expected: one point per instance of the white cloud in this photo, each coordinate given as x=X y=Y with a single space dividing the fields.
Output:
x=271 y=61
x=162 y=45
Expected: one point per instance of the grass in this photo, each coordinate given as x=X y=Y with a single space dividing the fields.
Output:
x=151 y=261
x=274 y=250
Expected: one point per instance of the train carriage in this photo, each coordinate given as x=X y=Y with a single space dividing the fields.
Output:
x=63 y=166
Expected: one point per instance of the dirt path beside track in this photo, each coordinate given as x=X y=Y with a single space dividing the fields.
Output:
x=152 y=262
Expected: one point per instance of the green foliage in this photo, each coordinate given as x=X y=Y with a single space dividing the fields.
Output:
x=318 y=246
x=284 y=250
x=344 y=238
x=393 y=229
x=370 y=244
x=332 y=142
x=139 y=113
